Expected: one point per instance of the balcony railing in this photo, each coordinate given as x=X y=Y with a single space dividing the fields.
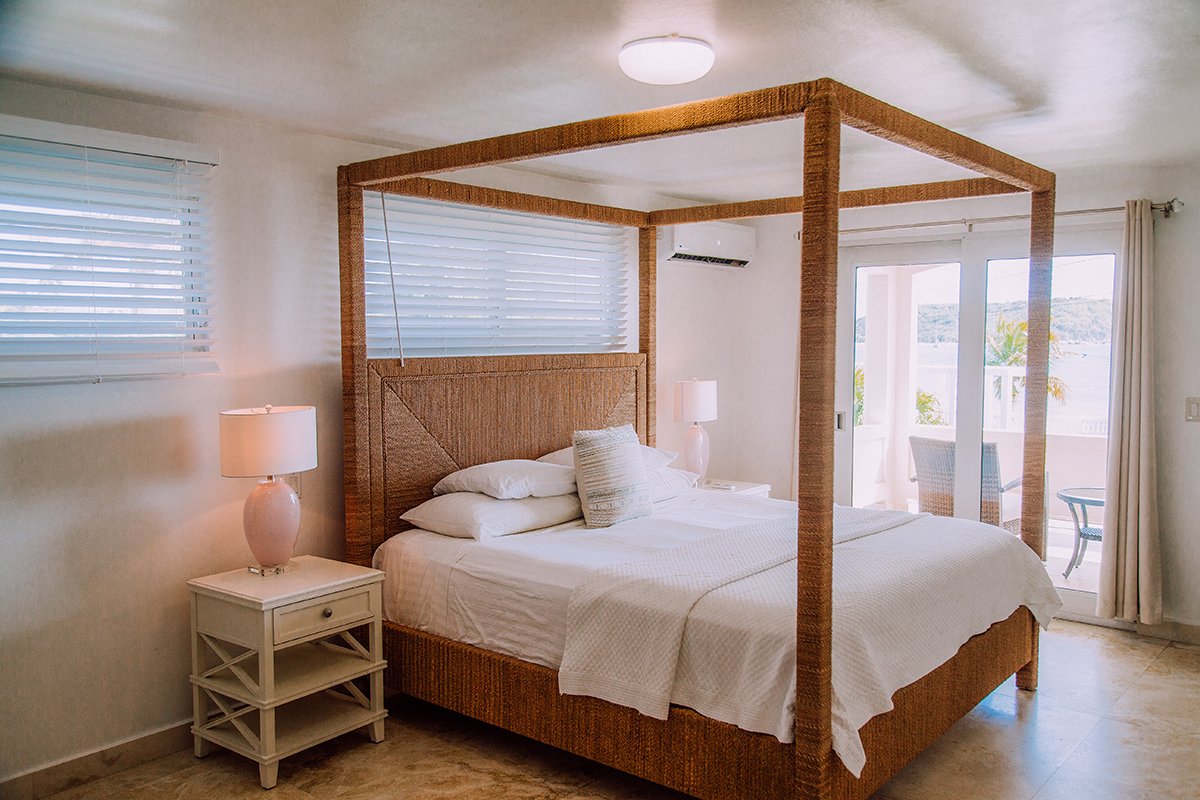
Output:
x=1003 y=401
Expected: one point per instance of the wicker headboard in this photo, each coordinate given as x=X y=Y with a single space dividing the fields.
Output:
x=435 y=415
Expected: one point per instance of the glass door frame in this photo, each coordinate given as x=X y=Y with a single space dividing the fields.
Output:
x=850 y=258
x=972 y=250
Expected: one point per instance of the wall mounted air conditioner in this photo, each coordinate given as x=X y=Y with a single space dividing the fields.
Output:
x=719 y=244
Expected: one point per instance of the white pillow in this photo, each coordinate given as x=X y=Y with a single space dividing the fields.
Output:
x=611 y=475
x=652 y=456
x=667 y=482
x=469 y=515
x=511 y=480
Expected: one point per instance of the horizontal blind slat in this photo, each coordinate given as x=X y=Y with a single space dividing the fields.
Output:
x=156 y=277
x=473 y=281
x=104 y=263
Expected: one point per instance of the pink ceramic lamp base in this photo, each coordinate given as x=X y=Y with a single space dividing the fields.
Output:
x=695 y=450
x=271 y=519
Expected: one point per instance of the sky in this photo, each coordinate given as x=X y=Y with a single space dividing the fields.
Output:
x=1008 y=280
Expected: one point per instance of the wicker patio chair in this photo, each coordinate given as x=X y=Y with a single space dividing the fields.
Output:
x=934 y=462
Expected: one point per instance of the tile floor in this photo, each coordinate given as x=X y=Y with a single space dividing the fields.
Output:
x=1118 y=716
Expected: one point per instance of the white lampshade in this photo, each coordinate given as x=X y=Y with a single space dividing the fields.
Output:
x=275 y=440
x=666 y=60
x=695 y=401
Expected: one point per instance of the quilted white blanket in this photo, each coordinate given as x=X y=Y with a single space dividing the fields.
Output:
x=905 y=599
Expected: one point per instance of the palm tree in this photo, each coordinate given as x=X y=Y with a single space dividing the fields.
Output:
x=860 y=385
x=929 y=409
x=1008 y=346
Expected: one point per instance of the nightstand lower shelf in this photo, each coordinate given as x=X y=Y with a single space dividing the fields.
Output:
x=301 y=724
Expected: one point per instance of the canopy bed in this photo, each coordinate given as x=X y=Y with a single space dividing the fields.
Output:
x=407 y=425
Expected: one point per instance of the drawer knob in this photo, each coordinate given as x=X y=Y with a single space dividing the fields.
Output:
x=327 y=613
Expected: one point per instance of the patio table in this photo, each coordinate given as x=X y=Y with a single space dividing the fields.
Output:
x=1079 y=500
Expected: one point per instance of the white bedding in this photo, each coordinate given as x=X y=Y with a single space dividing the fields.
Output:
x=905 y=599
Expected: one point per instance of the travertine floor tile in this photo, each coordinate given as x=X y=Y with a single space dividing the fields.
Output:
x=1087 y=668
x=1166 y=695
x=1006 y=748
x=121 y=784
x=1129 y=760
x=613 y=785
x=332 y=767
x=458 y=772
x=222 y=774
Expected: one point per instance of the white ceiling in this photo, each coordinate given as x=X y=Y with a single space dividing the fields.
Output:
x=1066 y=84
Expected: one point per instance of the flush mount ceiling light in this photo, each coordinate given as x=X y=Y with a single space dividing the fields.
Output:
x=666 y=60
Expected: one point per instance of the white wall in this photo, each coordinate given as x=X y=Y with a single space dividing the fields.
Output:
x=110 y=495
x=1176 y=376
x=746 y=329
x=739 y=327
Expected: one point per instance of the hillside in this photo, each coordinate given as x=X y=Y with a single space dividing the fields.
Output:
x=1072 y=319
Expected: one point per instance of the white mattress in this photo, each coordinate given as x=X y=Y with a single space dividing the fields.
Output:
x=905 y=599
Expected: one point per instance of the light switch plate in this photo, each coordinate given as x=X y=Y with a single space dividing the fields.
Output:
x=1192 y=409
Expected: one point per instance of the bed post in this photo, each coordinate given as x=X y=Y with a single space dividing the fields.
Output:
x=815 y=411
x=355 y=426
x=648 y=318
x=1037 y=367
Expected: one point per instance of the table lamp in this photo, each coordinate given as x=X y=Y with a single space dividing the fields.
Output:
x=266 y=443
x=695 y=402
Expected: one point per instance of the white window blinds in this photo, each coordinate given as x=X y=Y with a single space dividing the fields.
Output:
x=473 y=281
x=104 y=263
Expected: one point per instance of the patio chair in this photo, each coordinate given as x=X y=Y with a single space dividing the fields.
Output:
x=934 y=462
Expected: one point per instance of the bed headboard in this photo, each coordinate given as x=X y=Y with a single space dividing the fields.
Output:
x=435 y=415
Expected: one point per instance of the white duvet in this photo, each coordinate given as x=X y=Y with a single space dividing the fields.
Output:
x=908 y=591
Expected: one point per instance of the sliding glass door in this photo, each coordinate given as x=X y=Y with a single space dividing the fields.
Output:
x=906 y=322
x=932 y=355
x=1081 y=309
x=900 y=355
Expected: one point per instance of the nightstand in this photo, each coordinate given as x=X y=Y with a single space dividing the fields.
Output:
x=737 y=487
x=274 y=657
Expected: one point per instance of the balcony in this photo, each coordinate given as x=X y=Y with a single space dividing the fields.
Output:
x=1076 y=450
x=909 y=373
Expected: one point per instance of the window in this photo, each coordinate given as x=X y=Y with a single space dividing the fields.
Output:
x=472 y=281
x=104 y=257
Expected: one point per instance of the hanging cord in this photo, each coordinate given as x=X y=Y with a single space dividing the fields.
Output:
x=387 y=238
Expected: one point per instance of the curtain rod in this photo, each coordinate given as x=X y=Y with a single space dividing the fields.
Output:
x=1168 y=208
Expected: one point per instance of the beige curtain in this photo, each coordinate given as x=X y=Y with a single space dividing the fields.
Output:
x=1130 y=563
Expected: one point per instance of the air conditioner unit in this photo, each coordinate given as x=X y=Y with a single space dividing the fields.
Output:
x=719 y=244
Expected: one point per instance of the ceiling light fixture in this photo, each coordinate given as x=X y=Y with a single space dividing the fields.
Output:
x=666 y=60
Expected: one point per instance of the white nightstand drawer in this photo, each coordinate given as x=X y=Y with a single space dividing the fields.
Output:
x=311 y=617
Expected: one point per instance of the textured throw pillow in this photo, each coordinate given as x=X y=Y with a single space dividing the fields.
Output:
x=469 y=515
x=611 y=476
x=666 y=483
x=651 y=456
x=511 y=480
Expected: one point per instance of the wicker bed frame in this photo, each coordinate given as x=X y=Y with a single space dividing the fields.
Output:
x=407 y=426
